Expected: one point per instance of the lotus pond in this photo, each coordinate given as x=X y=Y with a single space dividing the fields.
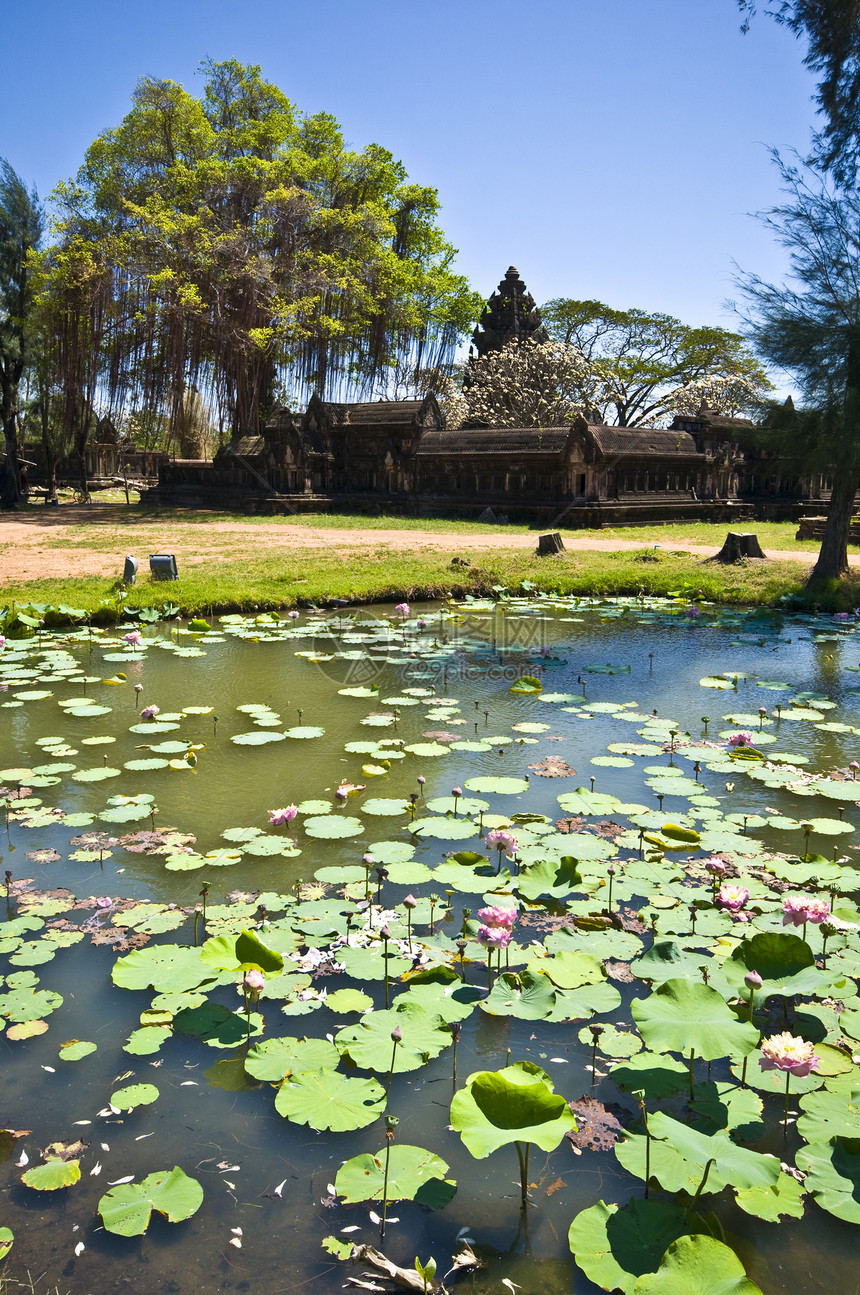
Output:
x=510 y=988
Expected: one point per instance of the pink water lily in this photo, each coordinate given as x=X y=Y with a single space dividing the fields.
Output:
x=279 y=816
x=135 y=638
x=732 y=897
x=150 y=712
x=254 y=980
x=504 y=842
x=741 y=739
x=494 y=937
x=797 y=910
x=788 y=1052
x=294 y=616
x=503 y=918
x=402 y=609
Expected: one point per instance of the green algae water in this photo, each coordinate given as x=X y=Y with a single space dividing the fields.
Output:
x=623 y=745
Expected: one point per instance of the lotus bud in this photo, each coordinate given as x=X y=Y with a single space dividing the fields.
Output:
x=385 y=932
x=410 y=902
x=396 y=1034
x=753 y=980
x=596 y=1031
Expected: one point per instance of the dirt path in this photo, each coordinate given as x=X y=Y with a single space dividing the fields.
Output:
x=40 y=545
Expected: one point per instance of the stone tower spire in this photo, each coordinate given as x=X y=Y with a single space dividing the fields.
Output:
x=510 y=314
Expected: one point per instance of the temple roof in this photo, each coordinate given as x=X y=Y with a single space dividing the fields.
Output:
x=496 y=440
x=373 y=413
x=640 y=441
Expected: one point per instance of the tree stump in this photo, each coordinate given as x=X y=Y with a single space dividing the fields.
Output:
x=551 y=543
x=739 y=545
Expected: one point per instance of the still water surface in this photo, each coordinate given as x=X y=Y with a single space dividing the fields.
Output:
x=221 y=1127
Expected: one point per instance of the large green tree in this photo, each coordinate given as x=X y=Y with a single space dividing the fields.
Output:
x=656 y=361
x=810 y=327
x=230 y=243
x=20 y=233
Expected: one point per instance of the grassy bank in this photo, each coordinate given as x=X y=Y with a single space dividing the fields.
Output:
x=101 y=527
x=260 y=580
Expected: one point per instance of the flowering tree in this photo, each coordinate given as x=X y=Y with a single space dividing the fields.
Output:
x=534 y=384
x=734 y=394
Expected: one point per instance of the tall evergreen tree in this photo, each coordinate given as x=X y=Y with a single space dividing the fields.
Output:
x=21 y=225
x=832 y=29
x=810 y=327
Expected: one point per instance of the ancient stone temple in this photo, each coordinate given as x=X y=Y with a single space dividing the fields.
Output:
x=397 y=456
x=509 y=315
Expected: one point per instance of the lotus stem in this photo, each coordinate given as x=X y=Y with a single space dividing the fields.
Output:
x=455 y=1028
x=647 y=1148
x=396 y=1036
x=389 y=1137
x=524 y=1173
x=692 y=1055
x=386 y=936
x=785 y=1116
x=701 y=1186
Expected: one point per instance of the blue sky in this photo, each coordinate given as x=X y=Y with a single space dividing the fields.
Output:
x=610 y=150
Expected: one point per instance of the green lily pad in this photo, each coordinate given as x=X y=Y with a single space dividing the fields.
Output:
x=126 y=1099
x=333 y=827
x=53 y=1175
x=515 y=1104
x=685 y=1016
x=413 y=1174
x=697 y=1265
x=328 y=1100
x=615 y=1246
x=76 y=1049
x=127 y=1208
x=833 y=1176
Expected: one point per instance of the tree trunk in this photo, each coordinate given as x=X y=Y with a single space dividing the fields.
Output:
x=12 y=485
x=833 y=557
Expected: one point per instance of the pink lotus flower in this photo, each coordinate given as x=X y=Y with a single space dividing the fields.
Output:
x=715 y=866
x=135 y=638
x=150 y=712
x=732 y=897
x=741 y=739
x=504 y=842
x=787 y=1052
x=254 y=980
x=498 y=917
x=494 y=937
x=279 y=816
x=797 y=910
x=138 y=687
x=402 y=609
x=294 y=616
x=104 y=901
x=2 y=642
